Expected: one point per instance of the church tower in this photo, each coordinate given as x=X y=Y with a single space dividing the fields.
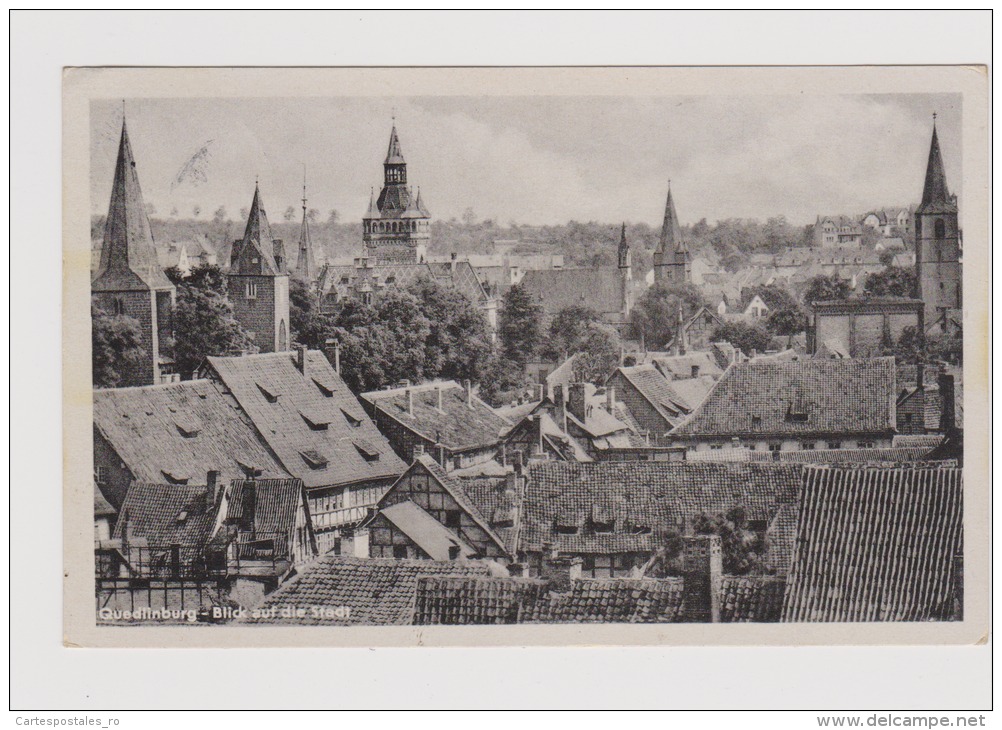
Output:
x=672 y=262
x=397 y=226
x=258 y=283
x=129 y=280
x=306 y=262
x=937 y=242
x=624 y=258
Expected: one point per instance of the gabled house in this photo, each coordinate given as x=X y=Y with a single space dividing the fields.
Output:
x=426 y=515
x=316 y=429
x=444 y=419
x=251 y=534
x=651 y=400
x=772 y=404
x=175 y=433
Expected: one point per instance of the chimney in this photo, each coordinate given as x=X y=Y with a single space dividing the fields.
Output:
x=452 y=261
x=702 y=569
x=576 y=402
x=332 y=343
x=418 y=451
x=947 y=404
x=360 y=544
x=561 y=407
x=409 y=395
x=516 y=463
x=559 y=571
x=301 y=358
x=438 y=397
x=211 y=483
x=920 y=376
x=540 y=391
x=610 y=399
x=469 y=393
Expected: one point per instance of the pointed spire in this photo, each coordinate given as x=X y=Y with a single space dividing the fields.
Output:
x=394 y=153
x=671 y=232
x=420 y=204
x=935 y=195
x=306 y=267
x=680 y=344
x=128 y=256
x=257 y=242
x=373 y=211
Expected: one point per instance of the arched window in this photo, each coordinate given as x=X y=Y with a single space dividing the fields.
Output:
x=282 y=343
x=118 y=305
x=939 y=228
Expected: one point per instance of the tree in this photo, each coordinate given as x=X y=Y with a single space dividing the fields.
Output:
x=383 y=343
x=893 y=281
x=203 y=319
x=459 y=342
x=825 y=289
x=503 y=381
x=333 y=217
x=655 y=314
x=311 y=215
x=309 y=326
x=786 y=321
x=742 y=548
x=746 y=337
x=519 y=326
x=579 y=331
x=116 y=346
x=289 y=214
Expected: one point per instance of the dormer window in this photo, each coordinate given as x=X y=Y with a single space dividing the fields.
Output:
x=314 y=459
x=269 y=393
x=175 y=476
x=316 y=421
x=367 y=450
x=328 y=391
x=352 y=421
x=187 y=426
x=567 y=523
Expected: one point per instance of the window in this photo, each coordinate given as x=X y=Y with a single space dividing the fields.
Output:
x=939 y=228
x=695 y=371
x=716 y=447
x=865 y=444
x=101 y=474
x=774 y=446
x=453 y=518
x=807 y=445
x=834 y=444
x=118 y=305
x=250 y=290
x=400 y=551
x=908 y=418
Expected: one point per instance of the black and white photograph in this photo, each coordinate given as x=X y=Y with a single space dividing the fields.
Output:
x=450 y=360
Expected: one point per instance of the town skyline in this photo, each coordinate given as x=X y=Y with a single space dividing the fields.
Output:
x=498 y=156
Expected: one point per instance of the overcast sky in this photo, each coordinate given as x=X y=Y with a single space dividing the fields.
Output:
x=536 y=160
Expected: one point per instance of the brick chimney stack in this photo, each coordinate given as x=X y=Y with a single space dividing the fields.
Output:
x=301 y=358
x=560 y=571
x=469 y=393
x=409 y=395
x=947 y=404
x=610 y=399
x=702 y=570
x=212 y=484
x=438 y=397
x=577 y=403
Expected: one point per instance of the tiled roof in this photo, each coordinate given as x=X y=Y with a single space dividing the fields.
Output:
x=798 y=398
x=465 y=601
x=656 y=389
x=425 y=531
x=643 y=499
x=679 y=367
x=375 y=591
x=876 y=544
x=751 y=598
x=851 y=456
x=180 y=431
x=128 y=256
x=497 y=503
x=780 y=537
x=322 y=439
x=275 y=503
x=343 y=278
x=167 y=514
x=598 y=288
x=924 y=440
x=457 y=426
